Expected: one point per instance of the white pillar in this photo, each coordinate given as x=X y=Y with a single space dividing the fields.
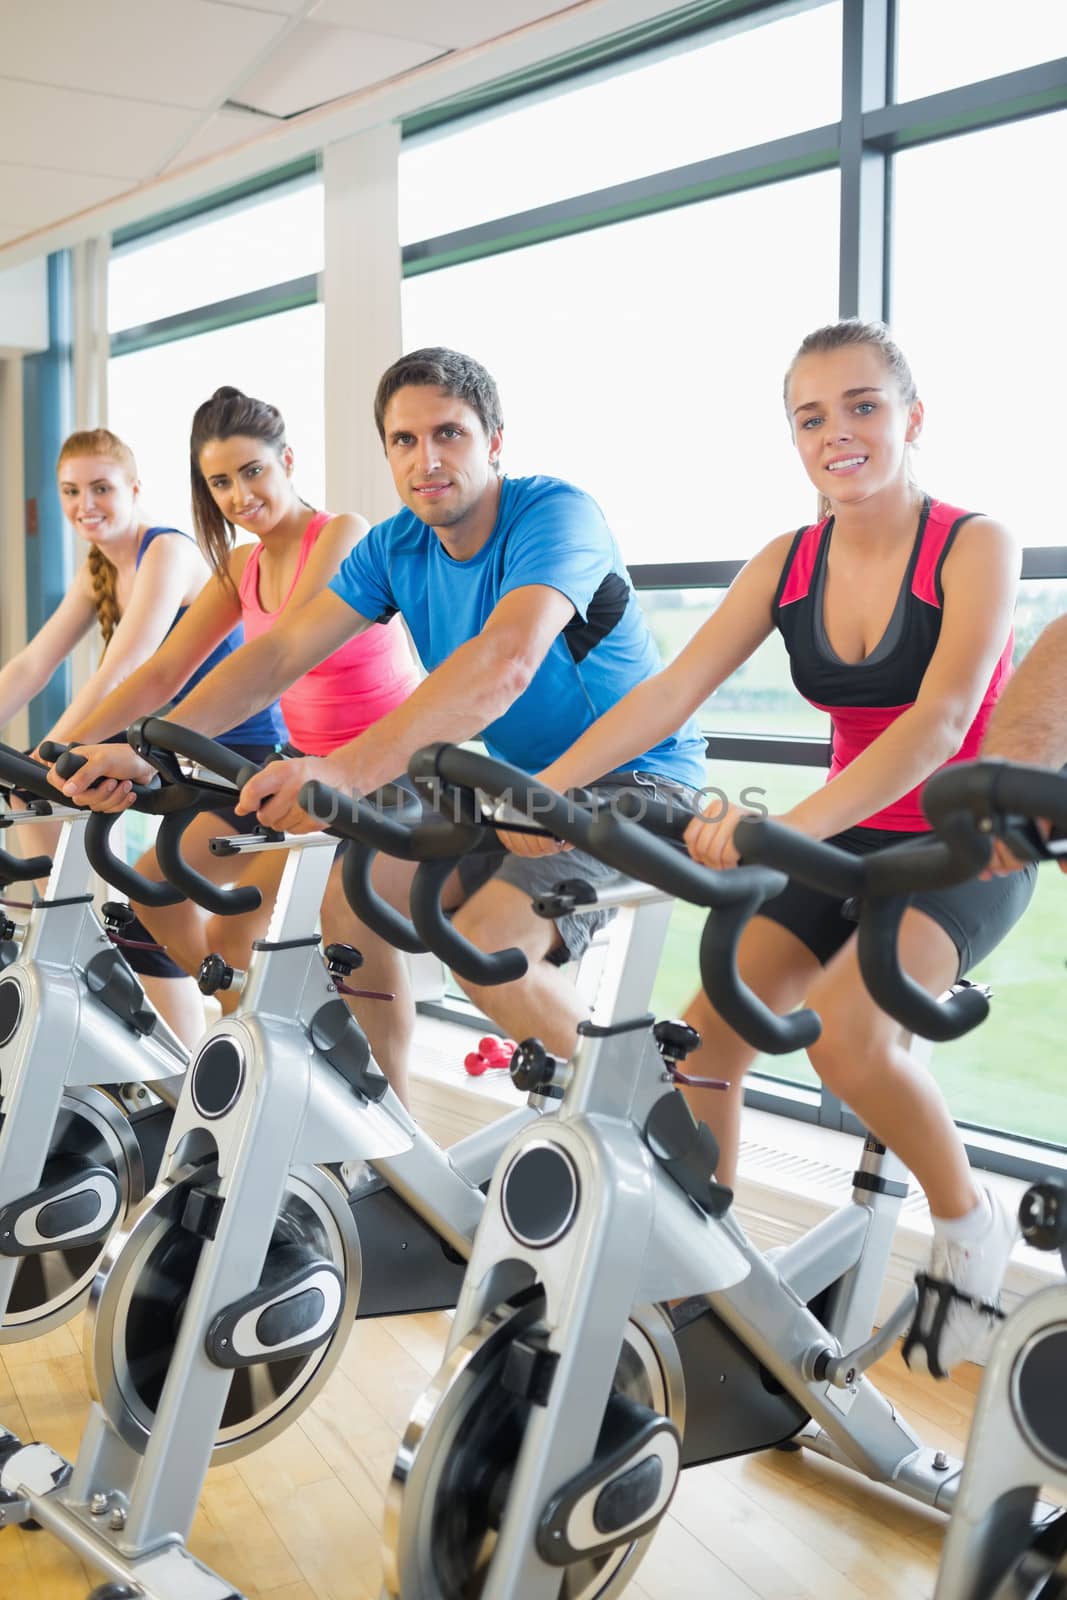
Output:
x=13 y=524
x=361 y=291
x=91 y=351
x=92 y=346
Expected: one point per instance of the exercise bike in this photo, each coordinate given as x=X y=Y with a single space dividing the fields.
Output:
x=1003 y=1542
x=542 y=1457
x=89 y=1074
x=224 y=1304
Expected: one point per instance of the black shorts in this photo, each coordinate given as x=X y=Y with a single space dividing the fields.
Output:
x=975 y=915
x=157 y=963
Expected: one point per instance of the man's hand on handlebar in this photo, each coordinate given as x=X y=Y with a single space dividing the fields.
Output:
x=535 y=844
x=113 y=768
x=272 y=793
x=1003 y=862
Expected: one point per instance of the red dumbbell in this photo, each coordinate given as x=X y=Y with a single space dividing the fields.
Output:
x=475 y=1063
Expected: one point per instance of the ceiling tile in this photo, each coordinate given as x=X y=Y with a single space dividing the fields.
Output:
x=461 y=22
x=289 y=8
x=221 y=132
x=322 y=63
x=92 y=133
x=176 y=52
x=30 y=197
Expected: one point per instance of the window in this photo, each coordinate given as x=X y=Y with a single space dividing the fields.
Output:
x=946 y=43
x=154 y=392
x=644 y=362
x=759 y=697
x=977 y=306
x=740 y=89
x=643 y=358
x=236 y=249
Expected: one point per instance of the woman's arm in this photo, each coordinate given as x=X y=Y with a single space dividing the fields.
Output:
x=979 y=579
x=313 y=624
x=171 y=565
x=212 y=615
x=658 y=706
x=27 y=672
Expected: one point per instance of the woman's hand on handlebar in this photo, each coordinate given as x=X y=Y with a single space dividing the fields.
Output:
x=113 y=768
x=272 y=793
x=710 y=838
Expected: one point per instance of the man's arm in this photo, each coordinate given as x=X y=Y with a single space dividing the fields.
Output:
x=1030 y=720
x=470 y=689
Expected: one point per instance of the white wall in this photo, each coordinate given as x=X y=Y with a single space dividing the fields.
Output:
x=12 y=524
x=24 y=308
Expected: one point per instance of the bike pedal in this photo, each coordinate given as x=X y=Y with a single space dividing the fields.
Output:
x=622 y=1494
x=72 y=1207
x=292 y=1312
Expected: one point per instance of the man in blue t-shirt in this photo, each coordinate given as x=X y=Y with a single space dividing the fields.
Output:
x=525 y=619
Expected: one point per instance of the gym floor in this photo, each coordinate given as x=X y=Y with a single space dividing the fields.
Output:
x=299 y=1519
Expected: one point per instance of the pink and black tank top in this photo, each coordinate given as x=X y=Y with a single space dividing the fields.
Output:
x=863 y=698
x=344 y=694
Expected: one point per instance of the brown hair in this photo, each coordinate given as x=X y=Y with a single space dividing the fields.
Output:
x=226 y=414
x=437 y=368
x=103 y=574
x=842 y=335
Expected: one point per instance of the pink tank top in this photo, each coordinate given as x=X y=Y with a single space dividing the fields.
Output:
x=348 y=691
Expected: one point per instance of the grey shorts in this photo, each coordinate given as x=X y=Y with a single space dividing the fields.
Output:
x=976 y=915
x=537 y=875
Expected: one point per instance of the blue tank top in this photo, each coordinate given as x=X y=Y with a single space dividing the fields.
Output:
x=266 y=727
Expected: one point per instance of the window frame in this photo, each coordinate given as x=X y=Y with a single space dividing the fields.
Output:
x=873 y=126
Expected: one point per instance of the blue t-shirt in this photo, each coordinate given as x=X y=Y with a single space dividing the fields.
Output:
x=266 y=727
x=547 y=532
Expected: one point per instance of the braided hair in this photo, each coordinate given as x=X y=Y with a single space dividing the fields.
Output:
x=103 y=573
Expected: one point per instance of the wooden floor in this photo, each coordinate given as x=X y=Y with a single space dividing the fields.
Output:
x=299 y=1520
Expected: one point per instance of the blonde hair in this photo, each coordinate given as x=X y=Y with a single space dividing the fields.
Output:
x=848 y=332
x=103 y=573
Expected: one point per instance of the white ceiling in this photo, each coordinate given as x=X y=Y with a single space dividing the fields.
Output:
x=98 y=99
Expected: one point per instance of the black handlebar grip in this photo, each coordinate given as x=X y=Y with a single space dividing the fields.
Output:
x=897 y=993
x=148 y=797
x=452 y=764
x=630 y=849
x=735 y=1002
x=959 y=852
x=20 y=772
x=987 y=788
x=355 y=819
x=51 y=750
x=158 y=733
x=115 y=871
x=22 y=869
x=185 y=878
x=668 y=819
x=1034 y=792
x=810 y=861
x=382 y=918
x=477 y=966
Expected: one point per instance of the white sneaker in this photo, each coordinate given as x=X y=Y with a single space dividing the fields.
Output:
x=959 y=1296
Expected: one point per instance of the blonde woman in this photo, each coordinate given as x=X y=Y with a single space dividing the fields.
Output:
x=138 y=580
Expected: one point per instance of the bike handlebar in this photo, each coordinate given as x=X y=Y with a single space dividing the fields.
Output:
x=18 y=771
x=435 y=842
x=589 y=823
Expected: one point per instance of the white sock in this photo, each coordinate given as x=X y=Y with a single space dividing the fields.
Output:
x=961 y=1230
